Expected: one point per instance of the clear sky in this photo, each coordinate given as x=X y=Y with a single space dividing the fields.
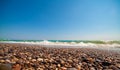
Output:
x=60 y=19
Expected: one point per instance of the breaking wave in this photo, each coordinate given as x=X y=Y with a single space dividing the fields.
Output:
x=93 y=44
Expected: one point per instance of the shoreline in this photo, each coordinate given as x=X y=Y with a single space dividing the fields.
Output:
x=117 y=49
x=23 y=56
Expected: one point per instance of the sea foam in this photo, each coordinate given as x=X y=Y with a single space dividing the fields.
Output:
x=69 y=44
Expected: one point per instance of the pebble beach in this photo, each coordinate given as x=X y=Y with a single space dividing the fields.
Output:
x=34 y=57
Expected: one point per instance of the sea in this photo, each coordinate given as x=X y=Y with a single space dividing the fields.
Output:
x=70 y=43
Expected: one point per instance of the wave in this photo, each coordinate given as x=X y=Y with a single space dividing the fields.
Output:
x=71 y=43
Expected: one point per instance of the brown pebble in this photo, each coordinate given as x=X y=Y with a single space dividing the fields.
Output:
x=2 y=61
x=39 y=59
x=92 y=68
x=71 y=69
x=118 y=65
x=16 y=67
x=63 y=68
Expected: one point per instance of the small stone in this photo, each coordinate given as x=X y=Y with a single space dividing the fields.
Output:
x=118 y=65
x=56 y=69
x=62 y=62
x=80 y=63
x=2 y=61
x=71 y=69
x=84 y=63
x=40 y=69
x=29 y=58
x=27 y=62
x=14 y=53
x=13 y=62
x=33 y=60
x=70 y=61
x=98 y=60
x=78 y=67
x=63 y=68
x=15 y=59
x=59 y=65
x=20 y=61
x=90 y=59
x=7 y=60
x=16 y=67
x=92 y=68
x=39 y=59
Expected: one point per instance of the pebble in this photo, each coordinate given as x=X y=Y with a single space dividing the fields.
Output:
x=56 y=69
x=71 y=69
x=90 y=59
x=118 y=65
x=62 y=62
x=39 y=59
x=7 y=60
x=30 y=57
x=33 y=60
x=79 y=67
x=92 y=68
x=63 y=68
x=16 y=67
x=98 y=60
x=40 y=69
x=27 y=62
x=59 y=65
x=2 y=61
x=70 y=61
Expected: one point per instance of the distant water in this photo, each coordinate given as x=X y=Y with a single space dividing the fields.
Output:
x=69 y=43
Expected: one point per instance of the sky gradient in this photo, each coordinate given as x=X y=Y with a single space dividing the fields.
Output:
x=60 y=19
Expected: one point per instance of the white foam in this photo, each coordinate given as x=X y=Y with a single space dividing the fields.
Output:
x=70 y=44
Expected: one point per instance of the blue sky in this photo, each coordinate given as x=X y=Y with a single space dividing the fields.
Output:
x=60 y=19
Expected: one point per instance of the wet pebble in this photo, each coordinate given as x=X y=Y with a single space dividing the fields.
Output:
x=71 y=69
x=33 y=60
x=39 y=59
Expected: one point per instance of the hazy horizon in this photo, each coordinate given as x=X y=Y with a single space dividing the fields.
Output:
x=60 y=20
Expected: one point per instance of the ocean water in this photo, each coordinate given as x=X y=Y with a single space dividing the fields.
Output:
x=69 y=43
